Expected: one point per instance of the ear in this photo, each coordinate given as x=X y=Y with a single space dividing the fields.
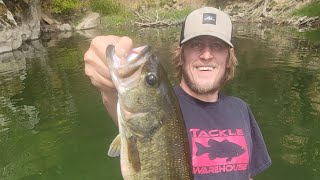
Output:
x=179 y=52
x=230 y=56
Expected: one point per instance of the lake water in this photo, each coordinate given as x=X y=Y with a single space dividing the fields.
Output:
x=53 y=124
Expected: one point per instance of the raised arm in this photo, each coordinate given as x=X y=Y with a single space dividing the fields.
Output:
x=97 y=70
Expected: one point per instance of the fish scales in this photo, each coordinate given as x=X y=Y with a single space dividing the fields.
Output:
x=153 y=136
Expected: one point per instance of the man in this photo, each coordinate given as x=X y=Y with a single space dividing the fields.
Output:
x=225 y=140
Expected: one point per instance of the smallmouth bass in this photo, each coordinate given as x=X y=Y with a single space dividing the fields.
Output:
x=152 y=133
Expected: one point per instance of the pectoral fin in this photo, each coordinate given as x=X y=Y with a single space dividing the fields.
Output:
x=114 y=149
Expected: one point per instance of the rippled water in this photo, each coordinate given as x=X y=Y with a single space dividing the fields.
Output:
x=53 y=124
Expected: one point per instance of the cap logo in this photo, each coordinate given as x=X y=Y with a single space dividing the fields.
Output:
x=209 y=18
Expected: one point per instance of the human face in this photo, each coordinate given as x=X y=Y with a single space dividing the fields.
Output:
x=204 y=65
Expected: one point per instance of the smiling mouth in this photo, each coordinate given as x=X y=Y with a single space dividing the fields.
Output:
x=204 y=68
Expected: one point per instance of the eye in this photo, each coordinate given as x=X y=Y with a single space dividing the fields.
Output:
x=151 y=79
x=196 y=45
x=216 y=45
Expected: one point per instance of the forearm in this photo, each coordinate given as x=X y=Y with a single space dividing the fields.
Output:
x=110 y=99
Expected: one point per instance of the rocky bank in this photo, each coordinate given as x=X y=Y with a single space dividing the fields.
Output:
x=23 y=20
x=277 y=12
x=19 y=22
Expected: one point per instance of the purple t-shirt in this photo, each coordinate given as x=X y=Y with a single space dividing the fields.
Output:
x=225 y=140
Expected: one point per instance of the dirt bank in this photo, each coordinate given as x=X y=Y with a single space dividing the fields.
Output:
x=272 y=12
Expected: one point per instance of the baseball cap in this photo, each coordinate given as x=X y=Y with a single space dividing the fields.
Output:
x=207 y=21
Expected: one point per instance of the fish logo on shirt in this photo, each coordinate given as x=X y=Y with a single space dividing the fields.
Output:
x=223 y=149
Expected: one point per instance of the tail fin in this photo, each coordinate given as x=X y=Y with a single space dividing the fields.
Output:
x=201 y=149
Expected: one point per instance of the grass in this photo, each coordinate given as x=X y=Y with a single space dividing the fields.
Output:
x=128 y=17
x=312 y=9
x=106 y=7
x=117 y=19
x=176 y=14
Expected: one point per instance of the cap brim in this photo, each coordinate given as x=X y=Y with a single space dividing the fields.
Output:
x=211 y=33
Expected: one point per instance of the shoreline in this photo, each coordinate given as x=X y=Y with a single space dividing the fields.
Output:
x=265 y=13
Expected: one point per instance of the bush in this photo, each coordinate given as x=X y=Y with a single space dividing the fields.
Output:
x=106 y=7
x=64 y=6
x=312 y=9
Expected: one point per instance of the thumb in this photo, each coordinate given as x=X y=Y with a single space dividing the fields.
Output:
x=123 y=47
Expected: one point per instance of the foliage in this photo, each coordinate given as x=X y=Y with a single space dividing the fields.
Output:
x=156 y=3
x=64 y=6
x=106 y=7
x=116 y=20
x=312 y=9
x=176 y=14
x=129 y=17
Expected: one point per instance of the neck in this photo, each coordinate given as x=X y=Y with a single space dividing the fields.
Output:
x=212 y=97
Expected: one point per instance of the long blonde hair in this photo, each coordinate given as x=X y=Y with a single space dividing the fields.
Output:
x=232 y=62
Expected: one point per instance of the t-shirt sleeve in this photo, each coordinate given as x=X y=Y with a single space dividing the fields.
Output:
x=260 y=159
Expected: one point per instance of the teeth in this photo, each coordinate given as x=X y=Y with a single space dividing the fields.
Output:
x=205 y=68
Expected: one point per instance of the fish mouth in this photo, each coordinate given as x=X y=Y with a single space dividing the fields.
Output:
x=125 y=71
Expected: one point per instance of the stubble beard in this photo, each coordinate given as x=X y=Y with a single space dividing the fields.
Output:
x=209 y=89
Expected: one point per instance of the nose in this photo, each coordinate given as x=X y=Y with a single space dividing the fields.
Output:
x=206 y=53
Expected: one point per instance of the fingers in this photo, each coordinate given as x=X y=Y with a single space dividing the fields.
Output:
x=95 y=59
x=123 y=47
x=94 y=63
x=99 y=44
x=99 y=75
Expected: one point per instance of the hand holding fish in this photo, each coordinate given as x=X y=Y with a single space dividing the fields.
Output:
x=98 y=72
x=95 y=59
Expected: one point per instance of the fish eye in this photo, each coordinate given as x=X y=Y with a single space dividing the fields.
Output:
x=151 y=79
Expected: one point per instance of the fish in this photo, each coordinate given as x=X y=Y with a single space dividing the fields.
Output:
x=152 y=141
x=223 y=149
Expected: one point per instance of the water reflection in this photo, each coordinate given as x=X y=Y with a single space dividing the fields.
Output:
x=35 y=91
x=283 y=74
x=53 y=124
